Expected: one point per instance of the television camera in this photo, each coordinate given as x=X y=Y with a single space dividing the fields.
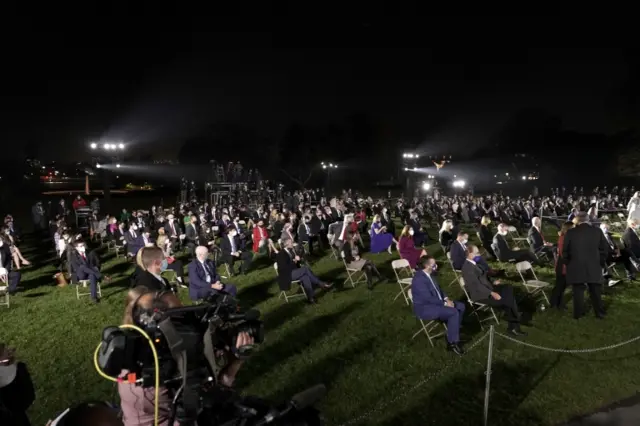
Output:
x=184 y=350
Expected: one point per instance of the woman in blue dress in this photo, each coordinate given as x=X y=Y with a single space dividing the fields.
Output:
x=380 y=239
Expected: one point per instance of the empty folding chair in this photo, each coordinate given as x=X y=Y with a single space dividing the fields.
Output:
x=533 y=286
x=477 y=307
x=401 y=266
x=456 y=272
x=427 y=327
x=358 y=274
x=515 y=236
x=284 y=294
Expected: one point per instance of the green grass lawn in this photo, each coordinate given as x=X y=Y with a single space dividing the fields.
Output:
x=357 y=342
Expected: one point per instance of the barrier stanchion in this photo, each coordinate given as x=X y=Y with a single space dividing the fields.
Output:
x=487 y=387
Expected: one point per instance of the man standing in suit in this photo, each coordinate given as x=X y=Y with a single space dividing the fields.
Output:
x=232 y=251
x=431 y=303
x=482 y=291
x=288 y=271
x=203 y=277
x=504 y=252
x=83 y=271
x=172 y=229
x=584 y=252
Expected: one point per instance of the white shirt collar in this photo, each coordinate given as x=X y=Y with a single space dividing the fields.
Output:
x=157 y=276
x=472 y=261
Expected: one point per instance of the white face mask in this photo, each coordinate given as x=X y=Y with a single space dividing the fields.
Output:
x=134 y=227
x=411 y=231
x=81 y=249
x=503 y=232
x=464 y=241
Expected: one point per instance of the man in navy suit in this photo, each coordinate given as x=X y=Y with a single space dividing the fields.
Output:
x=431 y=303
x=203 y=277
x=458 y=250
x=80 y=267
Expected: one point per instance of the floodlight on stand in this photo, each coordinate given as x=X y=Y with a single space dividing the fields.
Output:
x=524 y=178
x=426 y=186
x=121 y=146
x=459 y=184
x=98 y=166
x=106 y=146
x=118 y=165
x=405 y=169
x=94 y=145
x=324 y=166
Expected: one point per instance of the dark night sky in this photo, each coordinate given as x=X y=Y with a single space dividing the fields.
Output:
x=153 y=88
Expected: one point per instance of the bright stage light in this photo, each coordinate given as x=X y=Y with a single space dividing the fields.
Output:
x=121 y=145
x=324 y=166
x=459 y=183
x=426 y=186
x=335 y=166
x=524 y=178
x=405 y=169
x=118 y=165
x=98 y=166
x=106 y=146
x=94 y=145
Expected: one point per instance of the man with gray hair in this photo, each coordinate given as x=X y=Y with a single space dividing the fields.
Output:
x=617 y=255
x=537 y=241
x=203 y=277
x=585 y=252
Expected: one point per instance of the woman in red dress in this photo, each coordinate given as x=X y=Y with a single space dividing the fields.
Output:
x=407 y=248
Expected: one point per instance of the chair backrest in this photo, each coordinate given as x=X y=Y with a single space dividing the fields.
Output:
x=410 y=295
x=400 y=263
x=523 y=266
x=512 y=229
x=461 y=282
x=275 y=266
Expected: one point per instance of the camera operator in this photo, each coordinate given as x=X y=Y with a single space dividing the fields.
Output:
x=137 y=402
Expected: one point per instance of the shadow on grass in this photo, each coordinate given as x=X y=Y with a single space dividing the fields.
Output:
x=282 y=314
x=293 y=342
x=460 y=400
x=324 y=371
x=34 y=295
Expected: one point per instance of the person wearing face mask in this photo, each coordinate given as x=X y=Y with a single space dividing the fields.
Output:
x=172 y=230
x=380 y=239
x=496 y=295
x=192 y=235
x=233 y=251
x=133 y=239
x=152 y=264
x=81 y=269
x=407 y=248
x=203 y=277
x=430 y=302
x=505 y=253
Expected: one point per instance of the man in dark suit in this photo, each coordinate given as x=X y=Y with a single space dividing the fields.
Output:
x=420 y=237
x=172 y=230
x=536 y=239
x=504 y=252
x=80 y=267
x=154 y=263
x=458 y=251
x=481 y=290
x=13 y=277
x=288 y=270
x=232 y=251
x=584 y=252
x=617 y=255
x=431 y=303
x=630 y=238
x=192 y=235
x=133 y=239
x=306 y=234
x=203 y=277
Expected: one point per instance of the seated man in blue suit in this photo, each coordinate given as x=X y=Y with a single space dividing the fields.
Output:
x=458 y=250
x=203 y=278
x=431 y=303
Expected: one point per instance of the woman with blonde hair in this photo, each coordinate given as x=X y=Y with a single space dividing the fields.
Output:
x=446 y=235
x=485 y=235
x=407 y=248
x=163 y=242
x=381 y=240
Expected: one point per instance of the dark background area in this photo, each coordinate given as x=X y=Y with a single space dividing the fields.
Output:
x=284 y=94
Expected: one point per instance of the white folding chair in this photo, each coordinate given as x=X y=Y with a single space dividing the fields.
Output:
x=352 y=273
x=427 y=327
x=533 y=286
x=477 y=307
x=456 y=272
x=399 y=267
x=83 y=285
x=515 y=236
x=4 y=291
x=284 y=294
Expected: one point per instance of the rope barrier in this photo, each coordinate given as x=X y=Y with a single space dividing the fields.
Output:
x=568 y=351
x=387 y=402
